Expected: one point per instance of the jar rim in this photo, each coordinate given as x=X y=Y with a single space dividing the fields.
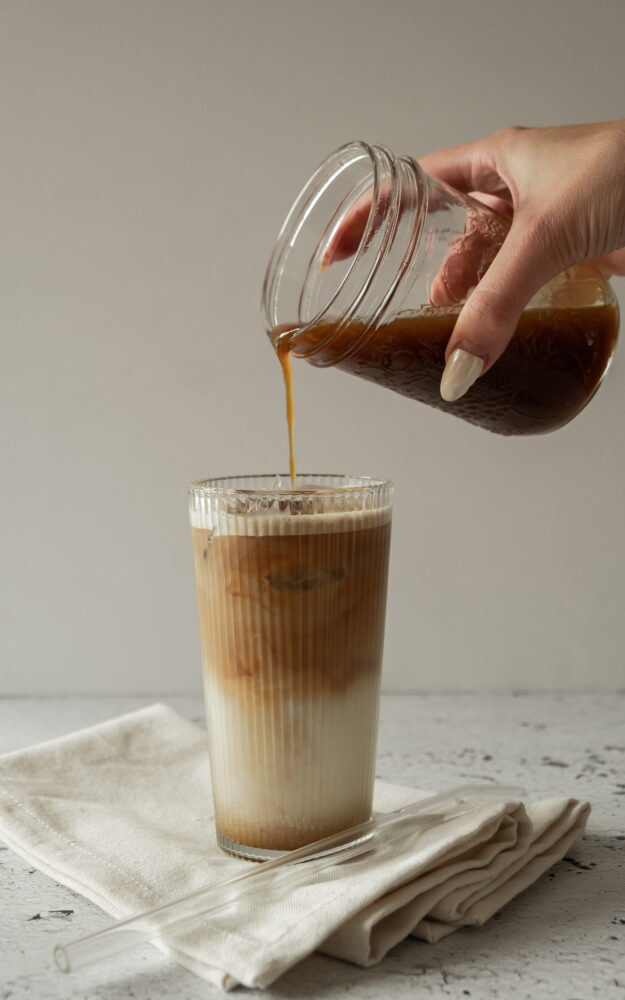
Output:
x=381 y=167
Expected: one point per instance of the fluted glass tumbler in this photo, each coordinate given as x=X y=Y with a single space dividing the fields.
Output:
x=291 y=589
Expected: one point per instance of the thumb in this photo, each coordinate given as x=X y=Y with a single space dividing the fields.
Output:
x=489 y=317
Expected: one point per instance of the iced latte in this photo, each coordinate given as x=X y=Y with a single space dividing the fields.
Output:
x=291 y=590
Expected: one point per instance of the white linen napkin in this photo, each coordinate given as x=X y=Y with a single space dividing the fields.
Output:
x=122 y=813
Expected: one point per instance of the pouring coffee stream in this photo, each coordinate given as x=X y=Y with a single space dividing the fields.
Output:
x=282 y=348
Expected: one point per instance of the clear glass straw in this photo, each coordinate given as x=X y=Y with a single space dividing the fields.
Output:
x=179 y=914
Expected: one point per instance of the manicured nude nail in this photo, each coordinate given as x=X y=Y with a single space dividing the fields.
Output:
x=461 y=371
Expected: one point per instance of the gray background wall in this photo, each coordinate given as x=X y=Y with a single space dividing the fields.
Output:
x=149 y=151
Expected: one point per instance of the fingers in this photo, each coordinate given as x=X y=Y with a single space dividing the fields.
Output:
x=612 y=263
x=468 y=258
x=489 y=317
x=345 y=240
x=498 y=204
x=474 y=166
x=347 y=237
x=457 y=276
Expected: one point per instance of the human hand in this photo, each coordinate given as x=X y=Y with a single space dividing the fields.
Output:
x=565 y=190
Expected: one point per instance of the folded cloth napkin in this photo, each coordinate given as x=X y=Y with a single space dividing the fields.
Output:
x=122 y=813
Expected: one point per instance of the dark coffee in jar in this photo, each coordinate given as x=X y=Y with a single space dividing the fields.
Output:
x=551 y=368
x=370 y=272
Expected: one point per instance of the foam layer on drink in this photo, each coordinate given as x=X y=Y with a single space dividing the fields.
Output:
x=293 y=513
x=291 y=610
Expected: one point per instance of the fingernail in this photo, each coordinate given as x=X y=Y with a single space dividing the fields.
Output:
x=461 y=371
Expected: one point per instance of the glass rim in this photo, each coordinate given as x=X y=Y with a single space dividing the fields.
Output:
x=224 y=485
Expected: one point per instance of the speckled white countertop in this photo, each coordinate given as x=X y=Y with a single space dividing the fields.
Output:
x=564 y=938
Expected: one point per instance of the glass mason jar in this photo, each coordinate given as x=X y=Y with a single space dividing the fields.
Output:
x=370 y=271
